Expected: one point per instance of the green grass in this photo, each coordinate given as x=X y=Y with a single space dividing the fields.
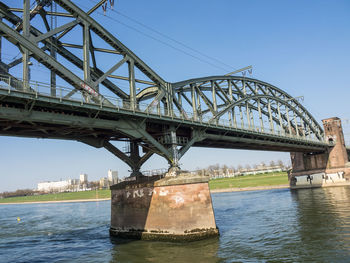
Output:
x=59 y=197
x=268 y=179
x=240 y=182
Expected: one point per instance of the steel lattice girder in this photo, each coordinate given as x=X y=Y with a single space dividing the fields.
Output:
x=209 y=97
x=97 y=76
x=133 y=130
x=163 y=87
x=236 y=91
x=58 y=45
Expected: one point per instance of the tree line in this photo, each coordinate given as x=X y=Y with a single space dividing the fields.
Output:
x=19 y=192
x=225 y=168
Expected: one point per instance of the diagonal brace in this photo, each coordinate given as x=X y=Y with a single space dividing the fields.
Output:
x=56 y=30
x=111 y=70
x=196 y=136
x=110 y=147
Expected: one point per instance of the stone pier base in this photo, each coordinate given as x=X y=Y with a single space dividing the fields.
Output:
x=322 y=169
x=170 y=209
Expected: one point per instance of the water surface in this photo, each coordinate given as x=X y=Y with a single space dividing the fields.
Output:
x=311 y=225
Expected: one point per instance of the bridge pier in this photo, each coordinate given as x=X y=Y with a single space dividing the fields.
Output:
x=318 y=169
x=177 y=207
x=169 y=209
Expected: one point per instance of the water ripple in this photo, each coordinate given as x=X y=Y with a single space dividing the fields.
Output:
x=311 y=225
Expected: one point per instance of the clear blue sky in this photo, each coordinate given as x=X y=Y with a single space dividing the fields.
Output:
x=301 y=47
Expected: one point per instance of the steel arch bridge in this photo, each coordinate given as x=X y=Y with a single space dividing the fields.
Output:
x=84 y=97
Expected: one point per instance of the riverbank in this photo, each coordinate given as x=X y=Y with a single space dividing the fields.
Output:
x=256 y=188
x=249 y=182
x=85 y=196
x=233 y=184
x=225 y=190
x=62 y=201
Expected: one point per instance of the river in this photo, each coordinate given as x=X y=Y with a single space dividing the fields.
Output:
x=311 y=225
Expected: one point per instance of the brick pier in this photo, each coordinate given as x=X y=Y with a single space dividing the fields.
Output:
x=171 y=209
x=317 y=168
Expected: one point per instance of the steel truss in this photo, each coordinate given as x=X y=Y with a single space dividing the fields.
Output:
x=247 y=103
x=250 y=111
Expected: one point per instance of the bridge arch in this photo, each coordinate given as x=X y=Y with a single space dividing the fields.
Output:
x=246 y=103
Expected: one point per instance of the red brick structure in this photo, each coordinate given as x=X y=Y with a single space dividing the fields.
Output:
x=172 y=208
x=334 y=160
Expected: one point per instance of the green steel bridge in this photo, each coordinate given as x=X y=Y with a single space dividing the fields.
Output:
x=154 y=116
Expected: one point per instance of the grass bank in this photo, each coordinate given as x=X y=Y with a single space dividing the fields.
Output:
x=98 y=194
x=268 y=179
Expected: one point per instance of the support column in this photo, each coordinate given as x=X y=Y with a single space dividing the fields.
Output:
x=134 y=160
x=322 y=168
x=86 y=55
x=53 y=20
x=169 y=209
x=174 y=163
x=193 y=97
x=135 y=157
x=132 y=85
x=26 y=34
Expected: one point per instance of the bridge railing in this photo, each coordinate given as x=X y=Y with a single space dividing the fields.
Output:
x=37 y=89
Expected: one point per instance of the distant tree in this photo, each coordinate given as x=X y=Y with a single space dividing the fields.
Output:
x=19 y=192
x=247 y=166
x=255 y=166
x=288 y=164
x=280 y=163
x=263 y=164
x=224 y=168
x=211 y=168
x=94 y=185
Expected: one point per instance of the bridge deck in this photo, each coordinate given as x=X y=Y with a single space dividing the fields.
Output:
x=42 y=116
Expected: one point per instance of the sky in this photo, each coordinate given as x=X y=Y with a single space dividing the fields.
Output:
x=301 y=47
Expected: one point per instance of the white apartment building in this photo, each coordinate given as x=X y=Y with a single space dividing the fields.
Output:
x=112 y=177
x=59 y=186
x=83 y=179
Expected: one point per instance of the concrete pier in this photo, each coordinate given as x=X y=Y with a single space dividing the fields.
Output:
x=171 y=209
x=325 y=168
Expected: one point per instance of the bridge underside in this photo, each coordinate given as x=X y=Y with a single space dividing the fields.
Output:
x=43 y=117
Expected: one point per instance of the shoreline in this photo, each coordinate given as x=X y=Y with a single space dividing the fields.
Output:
x=214 y=191
x=253 y=188
x=59 y=201
x=224 y=190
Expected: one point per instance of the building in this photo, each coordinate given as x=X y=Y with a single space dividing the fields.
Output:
x=83 y=179
x=112 y=177
x=104 y=182
x=222 y=173
x=260 y=170
x=70 y=185
x=73 y=182
x=59 y=186
x=228 y=172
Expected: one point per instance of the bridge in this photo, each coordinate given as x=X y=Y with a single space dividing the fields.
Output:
x=154 y=116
